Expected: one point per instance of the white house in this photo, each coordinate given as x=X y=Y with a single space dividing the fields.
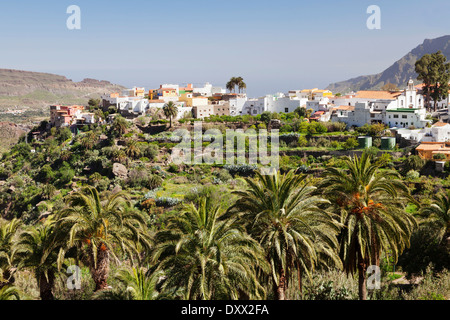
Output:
x=279 y=103
x=208 y=90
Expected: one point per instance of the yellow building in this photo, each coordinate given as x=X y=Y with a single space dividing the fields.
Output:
x=192 y=101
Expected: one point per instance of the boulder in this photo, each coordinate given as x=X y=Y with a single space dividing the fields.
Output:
x=120 y=171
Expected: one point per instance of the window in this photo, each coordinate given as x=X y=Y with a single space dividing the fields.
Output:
x=410 y=99
x=286 y=110
x=395 y=116
x=404 y=116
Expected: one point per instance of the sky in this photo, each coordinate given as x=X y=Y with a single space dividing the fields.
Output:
x=275 y=46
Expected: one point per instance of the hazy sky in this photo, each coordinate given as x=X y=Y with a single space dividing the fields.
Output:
x=274 y=45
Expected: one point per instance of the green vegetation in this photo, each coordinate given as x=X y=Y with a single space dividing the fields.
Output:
x=110 y=200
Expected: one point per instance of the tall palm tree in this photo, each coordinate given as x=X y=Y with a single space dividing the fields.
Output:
x=230 y=85
x=204 y=258
x=96 y=227
x=283 y=215
x=170 y=111
x=438 y=212
x=9 y=259
x=242 y=86
x=371 y=204
x=40 y=250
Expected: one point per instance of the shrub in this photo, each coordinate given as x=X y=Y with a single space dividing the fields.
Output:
x=302 y=142
x=243 y=170
x=412 y=174
x=351 y=143
x=173 y=168
x=167 y=202
x=286 y=128
x=439 y=156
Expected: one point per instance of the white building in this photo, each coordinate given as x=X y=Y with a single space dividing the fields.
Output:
x=439 y=132
x=278 y=103
x=208 y=90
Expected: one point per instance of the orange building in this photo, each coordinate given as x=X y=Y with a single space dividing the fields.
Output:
x=427 y=150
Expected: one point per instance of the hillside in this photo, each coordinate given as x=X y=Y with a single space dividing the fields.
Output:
x=399 y=73
x=32 y=92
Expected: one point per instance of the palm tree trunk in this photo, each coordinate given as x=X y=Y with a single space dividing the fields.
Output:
x=362 y=268
x=46 y=285
x=100 y=271
x=281 y=287
x=299 y=276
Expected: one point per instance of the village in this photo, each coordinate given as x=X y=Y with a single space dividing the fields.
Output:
x=403 y=112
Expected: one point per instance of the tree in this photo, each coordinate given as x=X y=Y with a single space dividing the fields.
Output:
x=284 y=216
x=40 y=250
x=371 y=204
x=390 y=87
x=170 y=111
x=140 y=283
x=413 y=162
x=236 y=81
x=438 y=213
x=96 y=227
x=132 y=150
x=9 y=259
x=94 y=103
x=208 y=258
x=434 y=71
x=88 y=140
x=120 y=125
x=9 y=293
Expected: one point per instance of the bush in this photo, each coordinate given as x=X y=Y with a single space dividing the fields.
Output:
x=286 y=128
x=167 y=202
x=439 y=156
x=412 y=174
x=244 y=170
x=426 y=248
x=302 y=142
x=351 y=143
x=173 y=168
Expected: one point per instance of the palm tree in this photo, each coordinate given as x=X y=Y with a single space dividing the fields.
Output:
x=438 y=213
x=132 y=150
x=139 y=283
x=230 y=85
x=89 y=140
x=9 y=259
x=40 y=250
x=242 y=86
x=371 y=204
x=204 y=258
x=95 y=227
x=9 y=293
x=283 y=215
x=120 y=126
x=170 y=110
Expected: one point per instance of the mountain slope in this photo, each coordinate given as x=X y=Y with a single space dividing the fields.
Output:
x=35 y=89
x=399 y=73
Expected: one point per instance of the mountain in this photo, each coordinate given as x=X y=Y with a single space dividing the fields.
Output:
x=35 y=89
x=399 y=73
